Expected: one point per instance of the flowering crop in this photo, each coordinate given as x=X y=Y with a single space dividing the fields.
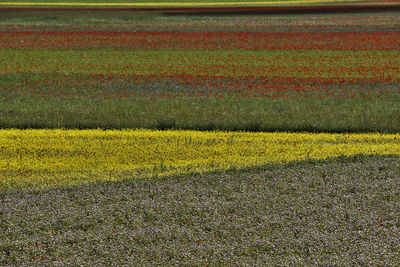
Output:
x=105 y=68
x=235 y=63
x=167 y=3
x=212 y=73
x=131 y=86
x=354 y=41
x=43 y=158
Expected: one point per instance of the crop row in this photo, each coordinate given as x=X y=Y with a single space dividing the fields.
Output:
x=191 y=5
x=110 y=20
x=130 y=86
x=203 y=40
x=277 y=63
x=43 y=158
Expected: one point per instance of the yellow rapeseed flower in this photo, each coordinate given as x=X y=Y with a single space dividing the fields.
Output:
x=41 y=158
x=175 y=4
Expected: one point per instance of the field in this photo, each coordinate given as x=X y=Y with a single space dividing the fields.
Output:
x=180 y=3
x=231 y=134
x=333 y=212
x=73 y=70
x=42 y=158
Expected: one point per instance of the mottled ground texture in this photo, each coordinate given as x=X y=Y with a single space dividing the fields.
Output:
x=335 y=212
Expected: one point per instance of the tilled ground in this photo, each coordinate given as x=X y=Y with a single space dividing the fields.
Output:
x=336 y=212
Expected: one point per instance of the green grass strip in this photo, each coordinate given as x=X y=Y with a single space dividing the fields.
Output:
x=281 y=63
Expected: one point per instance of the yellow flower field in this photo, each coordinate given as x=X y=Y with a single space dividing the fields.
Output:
x=173 y=4
x=42 y=158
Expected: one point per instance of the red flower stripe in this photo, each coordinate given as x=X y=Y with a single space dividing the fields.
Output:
x=204 y=40
x=130 y=86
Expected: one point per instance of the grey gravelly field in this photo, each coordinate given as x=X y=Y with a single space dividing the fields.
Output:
x=335 y=212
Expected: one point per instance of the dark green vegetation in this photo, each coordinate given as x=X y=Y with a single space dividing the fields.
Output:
x=109 y=20
x=252 y=114
x=335 y=212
